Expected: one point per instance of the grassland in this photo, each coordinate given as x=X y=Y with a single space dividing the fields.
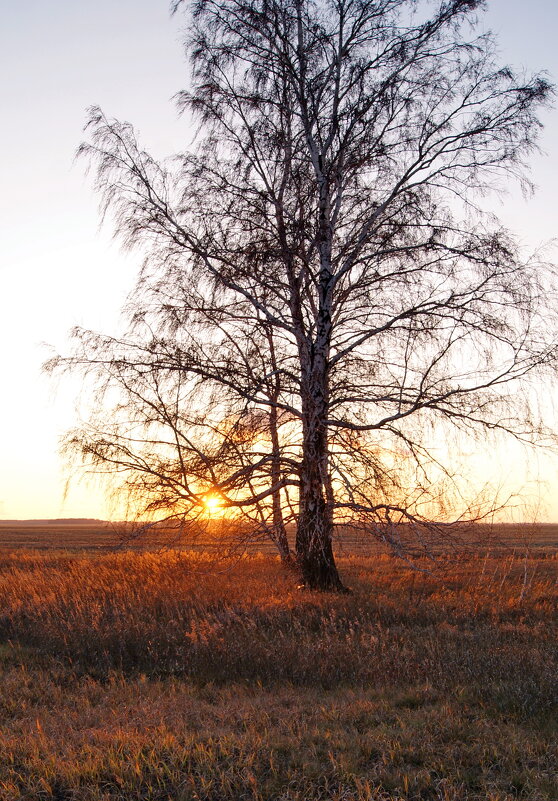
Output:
x=168 y=676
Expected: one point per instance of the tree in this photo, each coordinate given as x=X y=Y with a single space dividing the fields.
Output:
x=321 y=255
x=181 y=446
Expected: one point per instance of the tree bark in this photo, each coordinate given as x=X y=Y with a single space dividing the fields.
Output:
x=279 y=533
x=314 y=543
x=314 y=538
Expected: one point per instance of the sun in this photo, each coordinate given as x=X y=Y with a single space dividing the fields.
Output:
x=212 y=503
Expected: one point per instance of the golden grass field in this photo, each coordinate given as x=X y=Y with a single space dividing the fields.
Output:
x=99 y=535
x=159 y=676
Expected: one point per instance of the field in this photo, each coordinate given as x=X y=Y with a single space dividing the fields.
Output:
x=98 y=536
x=145 y=675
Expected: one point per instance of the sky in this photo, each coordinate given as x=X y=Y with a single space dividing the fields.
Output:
x=59 y=269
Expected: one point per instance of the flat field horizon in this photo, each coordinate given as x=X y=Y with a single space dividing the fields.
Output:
x=98 y=534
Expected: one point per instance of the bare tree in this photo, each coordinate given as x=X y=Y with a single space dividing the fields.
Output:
x=181 y=443
x=331 y=206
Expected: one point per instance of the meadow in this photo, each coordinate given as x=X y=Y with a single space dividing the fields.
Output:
x=169 y=675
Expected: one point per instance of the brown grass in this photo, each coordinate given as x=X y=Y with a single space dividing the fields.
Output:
x=150 y=676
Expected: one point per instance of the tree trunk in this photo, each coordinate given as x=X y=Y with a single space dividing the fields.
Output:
x=314 y=542
x=279 y=532
x=282 y=541
x=314 y=538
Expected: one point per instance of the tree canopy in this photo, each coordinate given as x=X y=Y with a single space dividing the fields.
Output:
x=321 y=290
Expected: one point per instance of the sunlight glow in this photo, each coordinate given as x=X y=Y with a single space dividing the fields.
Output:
x=212 y=503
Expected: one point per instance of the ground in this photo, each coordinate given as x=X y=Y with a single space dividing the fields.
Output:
x=171 y=676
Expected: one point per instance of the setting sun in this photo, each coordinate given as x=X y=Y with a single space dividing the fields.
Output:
x=212 y=503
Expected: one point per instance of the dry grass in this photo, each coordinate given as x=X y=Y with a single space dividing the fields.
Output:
x=99 y=535
x=145 y=676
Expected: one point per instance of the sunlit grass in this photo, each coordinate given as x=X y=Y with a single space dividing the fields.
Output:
x=151 y=676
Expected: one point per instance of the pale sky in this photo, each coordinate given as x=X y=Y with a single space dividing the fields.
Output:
x=57 y=269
